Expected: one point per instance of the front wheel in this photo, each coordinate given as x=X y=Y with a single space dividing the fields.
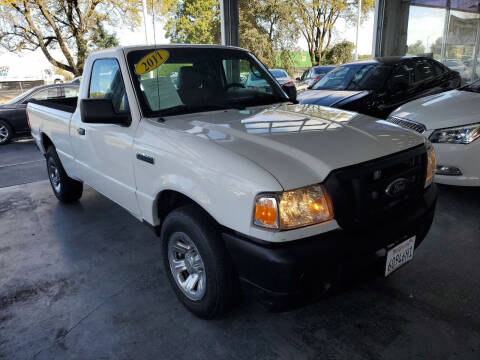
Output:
x=65 y=188
x=6 y=132
x=196 y=262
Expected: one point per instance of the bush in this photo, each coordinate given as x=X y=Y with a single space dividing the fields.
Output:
x=340 y=53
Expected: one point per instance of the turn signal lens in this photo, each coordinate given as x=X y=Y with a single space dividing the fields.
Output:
x=266 y=212
x=431 y=166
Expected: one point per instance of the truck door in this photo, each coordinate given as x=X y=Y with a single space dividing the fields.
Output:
x=103 y=152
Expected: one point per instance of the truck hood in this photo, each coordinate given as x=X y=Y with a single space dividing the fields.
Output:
x=298 y=144
x=448 y=109
x=328 y=97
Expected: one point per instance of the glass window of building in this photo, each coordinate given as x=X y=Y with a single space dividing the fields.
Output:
x=449 y=31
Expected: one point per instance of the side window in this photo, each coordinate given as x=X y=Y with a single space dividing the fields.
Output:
x=106 y=82
x=71 y=91
x=439 y=69
x=423 y=71
x=401 y=79
x=48 y=93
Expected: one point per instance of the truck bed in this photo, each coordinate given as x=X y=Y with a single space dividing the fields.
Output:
x=68 y=104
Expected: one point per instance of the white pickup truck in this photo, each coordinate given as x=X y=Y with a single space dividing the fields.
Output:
x=239 y=182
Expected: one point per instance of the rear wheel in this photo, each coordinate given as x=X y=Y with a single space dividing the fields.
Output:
x=6 y=132
x=65 y=188
x=197 y=263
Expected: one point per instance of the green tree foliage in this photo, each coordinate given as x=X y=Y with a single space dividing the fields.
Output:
x=266 y=26
x=317 y=18
x=416 y=48
x=436 y=48
x=194 y=21
x=340 y=53
x=101 y=39
x=68 y=25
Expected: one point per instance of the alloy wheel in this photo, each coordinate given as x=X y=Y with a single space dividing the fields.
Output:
x=54 y=175
x=187 y=266
x=4 y=133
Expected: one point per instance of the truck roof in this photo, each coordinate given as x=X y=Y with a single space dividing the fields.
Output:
x=127 y=49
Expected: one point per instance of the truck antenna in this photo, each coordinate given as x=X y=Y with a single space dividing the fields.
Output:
x=155 y=50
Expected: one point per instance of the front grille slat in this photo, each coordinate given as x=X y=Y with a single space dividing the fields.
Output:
x=407 y=124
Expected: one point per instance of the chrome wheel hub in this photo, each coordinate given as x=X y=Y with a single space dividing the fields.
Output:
x=54 y=175
x=3 y=133
x=187 y=266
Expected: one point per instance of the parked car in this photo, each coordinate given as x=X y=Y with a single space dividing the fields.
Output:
x=458 y=65
x=311 y=76
x=450 y=121
x=378 y=86
x=282 y=77
x=240 y=183
x=13 y=116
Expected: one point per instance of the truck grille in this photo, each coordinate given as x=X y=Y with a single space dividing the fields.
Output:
x=378 y=190
x=407 y=124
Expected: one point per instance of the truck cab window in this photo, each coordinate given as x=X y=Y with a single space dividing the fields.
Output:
x=106 y=82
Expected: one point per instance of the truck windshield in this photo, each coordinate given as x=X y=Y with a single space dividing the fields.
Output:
x=179 y=80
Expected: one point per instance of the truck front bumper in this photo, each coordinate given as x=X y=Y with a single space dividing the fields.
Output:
x=289 y=269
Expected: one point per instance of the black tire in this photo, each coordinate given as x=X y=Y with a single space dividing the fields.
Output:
x=66 y=189
x=220 y=279
x=6 y=132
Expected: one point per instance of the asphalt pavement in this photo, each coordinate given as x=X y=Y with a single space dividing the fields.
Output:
x=85 y=281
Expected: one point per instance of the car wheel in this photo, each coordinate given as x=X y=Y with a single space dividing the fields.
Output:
x=65 y=188
x=196 y=262
x=6 y=132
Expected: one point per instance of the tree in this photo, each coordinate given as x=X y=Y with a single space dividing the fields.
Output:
x=72 y=26
x=317 y=18
x=340 y=53
x=194 y=21
x=416 y=48
x=436 y=48
x=266 y=27
x=101 y=39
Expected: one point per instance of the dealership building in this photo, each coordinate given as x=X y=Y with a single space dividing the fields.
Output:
x=448 y=30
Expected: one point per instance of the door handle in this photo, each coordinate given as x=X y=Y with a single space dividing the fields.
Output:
x=81 y=131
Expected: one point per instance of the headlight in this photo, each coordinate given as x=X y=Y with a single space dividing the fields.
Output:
x=457 y=135
x=431 y=165
x=293 y=209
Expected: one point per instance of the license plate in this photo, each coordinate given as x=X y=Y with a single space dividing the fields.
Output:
x=399 y=255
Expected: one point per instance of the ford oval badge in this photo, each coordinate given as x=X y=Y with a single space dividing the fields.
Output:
x=397 y=187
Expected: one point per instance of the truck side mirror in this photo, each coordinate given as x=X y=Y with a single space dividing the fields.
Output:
x=291 y=92
x=101 y=111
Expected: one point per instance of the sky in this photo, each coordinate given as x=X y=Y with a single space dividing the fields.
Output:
x=425 y=24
